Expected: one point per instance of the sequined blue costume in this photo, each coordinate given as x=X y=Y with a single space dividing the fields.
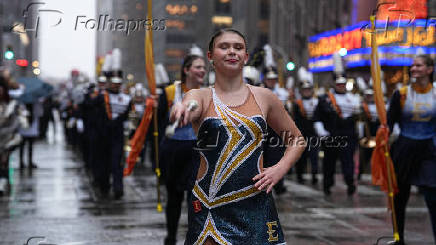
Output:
x=226 y=207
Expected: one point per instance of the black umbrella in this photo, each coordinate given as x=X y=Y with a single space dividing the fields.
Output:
x=34 y=88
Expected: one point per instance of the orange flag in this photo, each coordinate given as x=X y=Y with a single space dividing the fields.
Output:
x=381 y=161
x=149 y=59
x=137 y=142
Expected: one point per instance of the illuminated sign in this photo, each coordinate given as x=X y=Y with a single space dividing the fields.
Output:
x=178 y=9
x=22 y=62
x=179 y=24
x=173 y=67
x=222 y=20
x=399 y=42
x=178 y=53
x=402 y=9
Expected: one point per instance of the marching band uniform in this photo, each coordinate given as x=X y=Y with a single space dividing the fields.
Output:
x=117 y=107
x=338 y=113
x=136 y=113
x=178 y=158
x=371 y=120
x=95 y=130
x=114 y=108
x=414 y=152
x=273 y=150
x=305 y=116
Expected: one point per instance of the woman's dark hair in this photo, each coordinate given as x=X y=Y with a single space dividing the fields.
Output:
x=428 y=61
x=4 y=85
x=222 y=31
x=187 y=63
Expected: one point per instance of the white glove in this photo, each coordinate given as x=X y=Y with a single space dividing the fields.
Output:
x=71 y=122
x=320 y=130
x=360 y=129
x=79 y=125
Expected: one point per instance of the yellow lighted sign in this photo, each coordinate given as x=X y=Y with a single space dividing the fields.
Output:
x=222 y=20
x=181 y=9
x=180 y=24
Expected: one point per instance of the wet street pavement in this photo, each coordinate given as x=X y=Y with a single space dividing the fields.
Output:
x=57 y=201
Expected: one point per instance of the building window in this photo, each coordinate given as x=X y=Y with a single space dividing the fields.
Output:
x=179 y=38
x=264 y=9
x=263 y=39
x=222 y=6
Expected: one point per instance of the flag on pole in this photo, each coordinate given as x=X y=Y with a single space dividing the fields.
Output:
x=137 y=142
x=149 y=70
x=149 y=59
x=381 y=161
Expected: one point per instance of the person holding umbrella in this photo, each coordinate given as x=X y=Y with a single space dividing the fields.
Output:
x=34 y=90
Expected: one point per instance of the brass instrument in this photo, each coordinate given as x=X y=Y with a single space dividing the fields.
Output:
x=368 y=141
x=134 y=118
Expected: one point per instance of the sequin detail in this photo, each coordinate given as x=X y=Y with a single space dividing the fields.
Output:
x=212 y=231
x=232 y=210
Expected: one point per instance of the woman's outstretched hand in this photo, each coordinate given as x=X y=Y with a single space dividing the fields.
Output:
x=181 y=113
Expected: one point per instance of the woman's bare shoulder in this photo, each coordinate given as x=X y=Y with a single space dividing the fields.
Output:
x=200 y=93
x=262 y=93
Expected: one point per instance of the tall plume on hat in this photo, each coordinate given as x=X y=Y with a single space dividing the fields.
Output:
x=195 y=50
x=361 y=83
x=338 y=69
x=290 y=82
x=269 y=58
x=338 y=65
x=251 y=75
x=116 y=63
x=305 y=77
x=161 y=74
x=107 y=66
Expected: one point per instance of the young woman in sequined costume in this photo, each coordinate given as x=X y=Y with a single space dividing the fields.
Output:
x=231 y=202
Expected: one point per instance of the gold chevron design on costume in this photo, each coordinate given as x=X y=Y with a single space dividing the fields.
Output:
x=234 y=136
x=238 y=195
x=210 y=230
x=255 y=130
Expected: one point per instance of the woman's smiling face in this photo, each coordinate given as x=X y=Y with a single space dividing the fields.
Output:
x=419 y=69
x=229 y=52
x=196 y=72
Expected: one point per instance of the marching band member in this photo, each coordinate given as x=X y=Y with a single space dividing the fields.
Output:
x=229 y=204
x=274 y=147
x=338 y=113
x=117 y=106
x=413 y=107
x=305 y=117
x=178 y=157
x=370 y=126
